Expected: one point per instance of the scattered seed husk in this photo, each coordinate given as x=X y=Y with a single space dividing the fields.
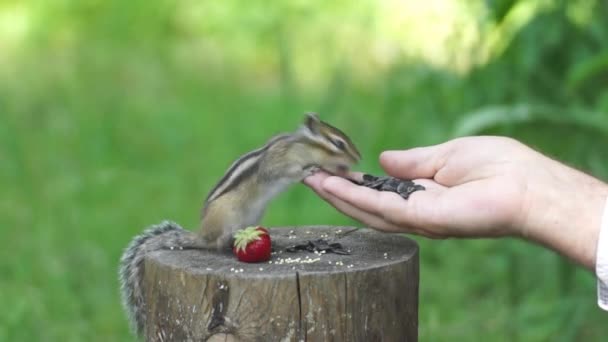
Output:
x=318 y=246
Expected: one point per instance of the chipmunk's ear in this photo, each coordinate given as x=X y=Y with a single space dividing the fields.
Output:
x=312 y=122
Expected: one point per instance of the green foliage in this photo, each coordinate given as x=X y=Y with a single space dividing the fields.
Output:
x=117 y=114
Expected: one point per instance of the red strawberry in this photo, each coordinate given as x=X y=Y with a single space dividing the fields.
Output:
x=252 y=244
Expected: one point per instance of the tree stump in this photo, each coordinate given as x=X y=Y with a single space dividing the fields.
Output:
x=369 y=295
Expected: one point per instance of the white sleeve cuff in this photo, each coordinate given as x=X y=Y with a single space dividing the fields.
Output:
x=601 y=264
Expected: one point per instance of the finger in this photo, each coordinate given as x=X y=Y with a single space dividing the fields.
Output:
x=420 y=162
x=369 y=219
x=314 y=181
x=376 y=222
x=416 y=212
x=362 y=216
x=366 y=218
x=356 y=176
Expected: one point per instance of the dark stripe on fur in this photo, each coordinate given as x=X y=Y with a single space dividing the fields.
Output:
x=239 y=178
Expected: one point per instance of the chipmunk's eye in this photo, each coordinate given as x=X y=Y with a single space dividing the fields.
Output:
x=338 y=143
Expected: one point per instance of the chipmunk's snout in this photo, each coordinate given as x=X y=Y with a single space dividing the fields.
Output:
x=337 y=169
x=342 y=168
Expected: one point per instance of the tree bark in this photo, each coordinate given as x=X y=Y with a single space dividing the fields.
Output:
x=369 y=295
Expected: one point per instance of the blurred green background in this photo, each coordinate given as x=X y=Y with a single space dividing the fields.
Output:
x=118 y=114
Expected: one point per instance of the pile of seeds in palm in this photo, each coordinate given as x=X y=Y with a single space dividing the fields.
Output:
x=386 y=183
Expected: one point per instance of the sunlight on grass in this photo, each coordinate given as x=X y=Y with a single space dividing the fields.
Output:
x=581 y=11
x=364 y=38
x=14 y=27
x=499 y=35
x=442 y=33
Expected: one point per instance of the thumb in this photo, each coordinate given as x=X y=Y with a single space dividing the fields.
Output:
x=420 y=162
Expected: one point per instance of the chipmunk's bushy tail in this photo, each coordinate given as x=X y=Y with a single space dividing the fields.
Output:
x=166 y=235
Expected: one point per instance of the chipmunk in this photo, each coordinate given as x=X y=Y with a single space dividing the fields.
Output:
x=239 y=199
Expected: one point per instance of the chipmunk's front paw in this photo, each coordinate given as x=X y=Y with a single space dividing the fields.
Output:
x=311 y=170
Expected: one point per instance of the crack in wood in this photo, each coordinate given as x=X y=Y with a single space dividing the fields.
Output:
x=299 y=305
x=220 y=305
x=345 y=304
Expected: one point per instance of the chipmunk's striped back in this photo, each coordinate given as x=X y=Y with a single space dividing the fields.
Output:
x=316 y=133
x=241 y=168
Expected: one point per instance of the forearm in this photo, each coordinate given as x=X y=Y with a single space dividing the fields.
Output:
x=563 y=211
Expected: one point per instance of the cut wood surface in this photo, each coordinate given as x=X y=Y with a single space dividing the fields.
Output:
x=369 y=295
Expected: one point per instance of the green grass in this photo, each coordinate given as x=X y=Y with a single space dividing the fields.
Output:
x=102 y=138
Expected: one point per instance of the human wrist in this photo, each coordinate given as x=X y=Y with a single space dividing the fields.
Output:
x=563 y=211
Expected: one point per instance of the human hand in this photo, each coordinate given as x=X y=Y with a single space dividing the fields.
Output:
x=479 y=187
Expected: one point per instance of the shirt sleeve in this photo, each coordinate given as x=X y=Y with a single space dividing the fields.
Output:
x=601 y=264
